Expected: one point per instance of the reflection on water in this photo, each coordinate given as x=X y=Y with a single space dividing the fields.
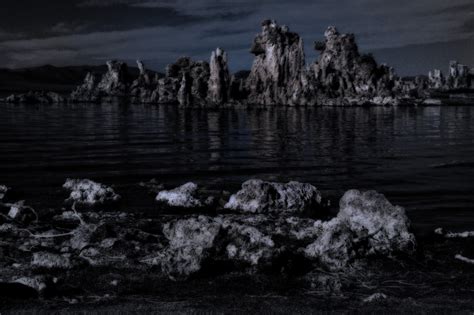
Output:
x=422 y=158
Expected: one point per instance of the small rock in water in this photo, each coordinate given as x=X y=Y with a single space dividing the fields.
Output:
x=257 y=196
x=89 y=193
x=376 y=297
x=182 y=196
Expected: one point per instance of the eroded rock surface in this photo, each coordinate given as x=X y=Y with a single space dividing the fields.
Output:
x=341 y=71
x=278 y=70
x=257 y=196
x=219 y=80
x=182 y=196
x=88 y=192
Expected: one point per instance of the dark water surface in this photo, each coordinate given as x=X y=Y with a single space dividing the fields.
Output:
x=421 y=157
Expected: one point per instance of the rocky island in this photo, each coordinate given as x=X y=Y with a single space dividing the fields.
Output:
x=279 y=76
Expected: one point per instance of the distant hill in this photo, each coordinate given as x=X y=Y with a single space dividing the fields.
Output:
x=48 y=78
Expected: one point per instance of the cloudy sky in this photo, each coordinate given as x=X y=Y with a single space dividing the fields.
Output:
x=412 y=35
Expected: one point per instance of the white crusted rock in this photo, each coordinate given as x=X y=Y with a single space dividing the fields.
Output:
x=87 y=192
x=51 y=261
x=182 y=196
x=189 y=243
x=371 y=216
x=257 y=196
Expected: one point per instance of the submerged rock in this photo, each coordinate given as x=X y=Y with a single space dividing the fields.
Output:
x=89 y=193
x=257 y=196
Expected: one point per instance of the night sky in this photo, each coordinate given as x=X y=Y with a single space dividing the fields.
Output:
x=412 y=35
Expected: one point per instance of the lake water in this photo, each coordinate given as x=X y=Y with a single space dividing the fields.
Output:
x=420 y=157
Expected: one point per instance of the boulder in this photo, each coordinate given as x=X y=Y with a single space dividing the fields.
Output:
x=369 y=215
x=247 y=244
x=367 y=224
x=257 y=196
x=87 y=192
x=190 y=242
x=183 y=196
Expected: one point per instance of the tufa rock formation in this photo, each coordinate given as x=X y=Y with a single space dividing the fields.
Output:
x=219 y=80
x=460 y=77
x=277 y=75
x=342 y=72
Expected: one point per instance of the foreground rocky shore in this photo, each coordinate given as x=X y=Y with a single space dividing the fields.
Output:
x=266 y=230
x=279 y=76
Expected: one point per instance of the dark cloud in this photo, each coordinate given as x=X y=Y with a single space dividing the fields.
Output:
x=158 y=31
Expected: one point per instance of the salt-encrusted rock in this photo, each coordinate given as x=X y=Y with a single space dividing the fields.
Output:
x=333 y=247
x=278 y=67
x=51 y=261
x=257 y=196
x=342 y=71
x=367 y=224
x=182 y=196
x=190 y=242
x=372 y=217
x=219 y=80
x=87 y=192
x=247 y=244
